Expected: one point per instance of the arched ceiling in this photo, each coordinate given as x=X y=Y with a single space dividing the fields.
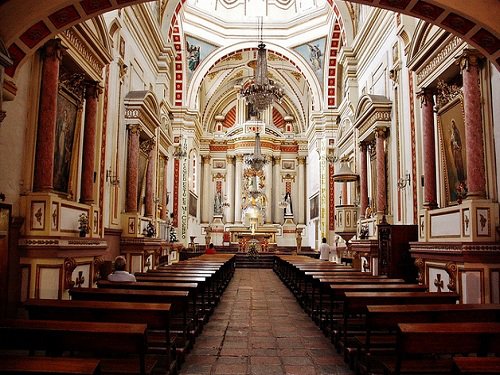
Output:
x=26 y=24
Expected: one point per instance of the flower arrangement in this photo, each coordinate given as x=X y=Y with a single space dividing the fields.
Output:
x=252 y=250
x=83 y=224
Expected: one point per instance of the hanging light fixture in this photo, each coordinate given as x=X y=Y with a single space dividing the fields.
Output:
x=256 y=161
x=261 y=92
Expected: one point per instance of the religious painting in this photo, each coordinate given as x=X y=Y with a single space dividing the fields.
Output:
x=483 y=222
x=314 y=53
x=314 y=207
x=55 y=216
x=37 y=215
x=219 y=164
x=466 y=222
x=67 y=121
x=196 y=51
x=95 y=222
x=452 y=147
x=193 y=204
x=288 y=165
x=131 y=225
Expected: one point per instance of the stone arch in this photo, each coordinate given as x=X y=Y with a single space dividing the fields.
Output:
x=27 y=24
x=212 y=60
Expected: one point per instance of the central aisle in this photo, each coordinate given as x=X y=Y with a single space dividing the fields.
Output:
x=259 y=328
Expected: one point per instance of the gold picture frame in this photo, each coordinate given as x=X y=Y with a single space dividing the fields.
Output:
x=451 y=124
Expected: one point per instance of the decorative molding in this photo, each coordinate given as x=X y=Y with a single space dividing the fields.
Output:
x=98 y=262
x=451 y=268
x=73 y=82
x=77 y=42
x=69 y=267
x=420 y=264
x=446 y=93
x=448 y=50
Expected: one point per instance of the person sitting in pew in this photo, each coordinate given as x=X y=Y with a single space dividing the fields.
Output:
x=119 y=273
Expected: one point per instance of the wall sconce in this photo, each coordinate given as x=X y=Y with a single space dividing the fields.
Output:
x=225 y=203
x=113 y=179
x=179 y=152
x=404 y=182
x=331 y=158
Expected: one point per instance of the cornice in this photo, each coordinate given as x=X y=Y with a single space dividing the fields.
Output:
x=78 y=44
x=440 y=55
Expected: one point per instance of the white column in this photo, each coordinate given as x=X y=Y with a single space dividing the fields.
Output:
x=230 y=184
x=240 y=106
x=237 y=188
x=206 y=200
x=278 y=212
x=268 y=175
x=301 y=181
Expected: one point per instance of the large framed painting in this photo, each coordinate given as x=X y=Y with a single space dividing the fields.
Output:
x=314 y=207
x=193 y=204
x=67 y=130
x=451 y=125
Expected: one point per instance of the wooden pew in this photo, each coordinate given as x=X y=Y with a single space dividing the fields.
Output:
x=355 y=308
x=55 y=336
x=155 y=315
x=338 y=291
x=418 y=344
x=213 y=285
x=382 y=322
x=29 y=365
x=476 y=365
x=203 y=293
x=178 y=299
x=191 y=288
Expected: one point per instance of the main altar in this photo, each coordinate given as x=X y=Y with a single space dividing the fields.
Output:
x=264 y=237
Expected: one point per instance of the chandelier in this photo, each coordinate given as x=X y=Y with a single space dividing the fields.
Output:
x=261 y=91
x=256 y=161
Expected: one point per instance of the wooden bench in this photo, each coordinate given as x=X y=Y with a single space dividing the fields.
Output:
x=102 y=339
x=382 y=322
x=355 y=308
x=337 y=293
x=155 y=315
x=180 y=325
x=476 y=365
x=426 y=347
x=191 y=288
x=204 y=297
x=29 y=365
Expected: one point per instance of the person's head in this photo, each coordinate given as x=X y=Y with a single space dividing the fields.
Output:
x=211 y=246
x=324 y=240
x=120 y=263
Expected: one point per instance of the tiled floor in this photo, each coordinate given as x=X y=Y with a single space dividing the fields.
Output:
x=259 y=328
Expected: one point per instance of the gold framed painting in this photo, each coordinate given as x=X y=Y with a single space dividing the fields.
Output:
x=451 y=124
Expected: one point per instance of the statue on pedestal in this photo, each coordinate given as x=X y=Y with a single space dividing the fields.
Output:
x=288 y=211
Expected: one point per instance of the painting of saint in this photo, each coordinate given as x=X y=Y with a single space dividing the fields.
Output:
x=196 y=51
x=456 y=149
x=314 y=53
x=65 y=132
x=193 y=53
x=452 y=132
x=315 y=56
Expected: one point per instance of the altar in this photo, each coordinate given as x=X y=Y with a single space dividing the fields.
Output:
x=264 y=237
